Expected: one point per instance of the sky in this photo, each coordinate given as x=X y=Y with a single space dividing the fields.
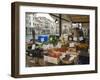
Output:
x=45 y=15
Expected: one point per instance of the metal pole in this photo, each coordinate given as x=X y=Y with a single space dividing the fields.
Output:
x=60 y=25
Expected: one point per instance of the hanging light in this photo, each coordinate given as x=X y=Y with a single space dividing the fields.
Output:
x=56 y=21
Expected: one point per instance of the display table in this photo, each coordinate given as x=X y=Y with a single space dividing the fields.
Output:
x=58 y=55
x=49 y=59
x=72 y=59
